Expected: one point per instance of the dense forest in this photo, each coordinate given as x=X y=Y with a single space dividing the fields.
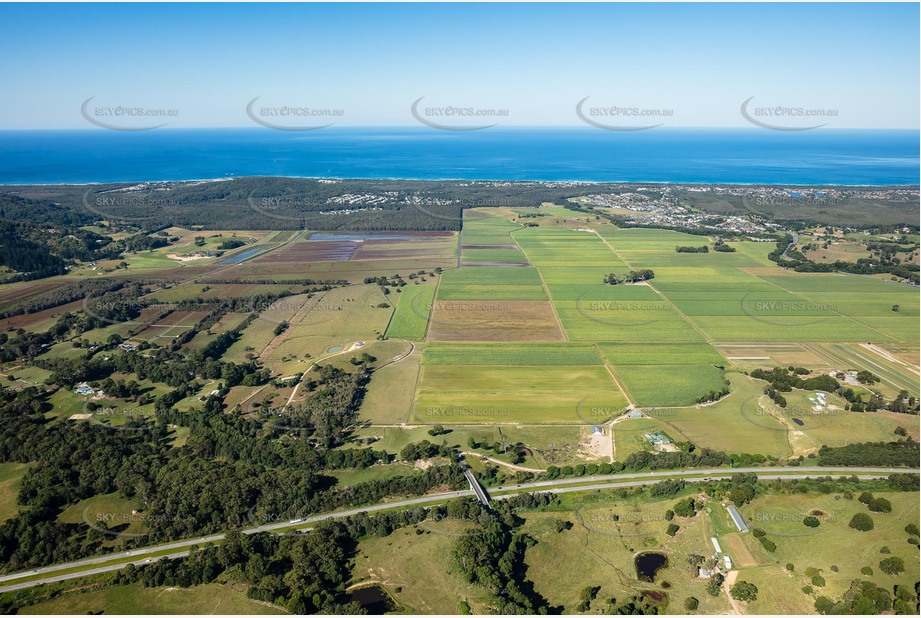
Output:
x=294 y=203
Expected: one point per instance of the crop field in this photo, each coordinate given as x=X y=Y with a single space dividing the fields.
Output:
x=491 y=283
x=669 y=385
x=411 y=317
x=443 y=353
x=481 y=227
x=894 y=376
x=512 y=394
x=698 y=353
x=483 y=320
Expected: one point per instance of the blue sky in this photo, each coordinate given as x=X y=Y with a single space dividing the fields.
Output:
x=535 y=60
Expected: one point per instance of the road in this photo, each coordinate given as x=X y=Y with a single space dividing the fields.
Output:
x=99 y=564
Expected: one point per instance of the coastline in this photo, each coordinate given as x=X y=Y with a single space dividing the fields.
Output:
x=673 y=183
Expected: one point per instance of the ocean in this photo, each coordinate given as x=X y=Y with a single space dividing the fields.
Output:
x=748 y=156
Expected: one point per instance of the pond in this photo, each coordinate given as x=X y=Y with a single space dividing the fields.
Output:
x=334 y=348
x=373 y=599
x=648 y=564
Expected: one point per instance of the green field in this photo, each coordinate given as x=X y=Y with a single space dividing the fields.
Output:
x=136 y=599
x=450 y=353
x=411 y=318
x=833 y=543
x=10 y=476
x=512 y=394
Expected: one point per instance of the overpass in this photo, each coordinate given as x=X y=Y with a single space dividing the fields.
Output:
x=475 y=485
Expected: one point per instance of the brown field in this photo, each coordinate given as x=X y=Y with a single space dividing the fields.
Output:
x=771 y=355
x=35 y=320
x=13 y=292
x=172 y=325
x=908 y=352
x=311 y=251
x=494 y=321
x=735 y=545
x=425 y=247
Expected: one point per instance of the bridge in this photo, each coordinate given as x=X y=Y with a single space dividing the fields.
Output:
x=475 y=485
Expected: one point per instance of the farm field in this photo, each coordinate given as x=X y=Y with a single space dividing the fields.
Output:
x=411 y=316
x=389 y=398
x=661 y=375
x=735 y=422
x=453 y=353
x=136 y=599
x=482 y=320
x=512 y=394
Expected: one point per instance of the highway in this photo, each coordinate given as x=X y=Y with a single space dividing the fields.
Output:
x=146 y=555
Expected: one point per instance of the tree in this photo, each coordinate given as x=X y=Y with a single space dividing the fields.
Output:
x=880 y=505
x=691 y=604
x=811 y=521
x=912 y=529
x=892 y=565
x=672 y=529
x=744 y=591
x=714 y=585
x=862 y=522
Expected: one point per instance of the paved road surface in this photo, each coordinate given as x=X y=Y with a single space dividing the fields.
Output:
x=142 y=555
